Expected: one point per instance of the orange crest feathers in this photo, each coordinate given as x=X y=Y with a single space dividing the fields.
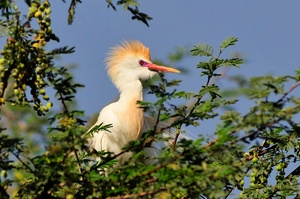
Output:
x=118 y=53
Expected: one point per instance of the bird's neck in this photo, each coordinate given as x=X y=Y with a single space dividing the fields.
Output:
x=131 y=90
x=129 y=95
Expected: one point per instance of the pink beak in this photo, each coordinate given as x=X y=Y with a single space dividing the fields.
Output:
x=155 y=67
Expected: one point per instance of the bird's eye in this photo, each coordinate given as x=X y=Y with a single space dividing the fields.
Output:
x=142 y=63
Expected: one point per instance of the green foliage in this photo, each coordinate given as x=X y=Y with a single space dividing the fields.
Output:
x=132 y=6
x=71 y=11
x=260 y=146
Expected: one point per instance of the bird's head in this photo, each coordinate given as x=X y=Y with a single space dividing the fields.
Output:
x=130 y=62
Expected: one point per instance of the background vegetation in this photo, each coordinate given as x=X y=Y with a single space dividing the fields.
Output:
x=43 y=153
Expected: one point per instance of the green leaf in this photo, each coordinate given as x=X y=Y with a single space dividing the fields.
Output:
x=71 y=11
x=130 y=3
x=173 y=83
x=99 y=127
x=230 y=41
x=231 y=116
x=62 y=50
x=202 y=50
x=210 y=89
x=232 y=62
x=140 y=16
x=184 y=94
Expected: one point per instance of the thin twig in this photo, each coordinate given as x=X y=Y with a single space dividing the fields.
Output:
x=26 y=165
x=288 y=92
x=153 y=170
x=78 y=161
x=176 y=137
x=63 y=102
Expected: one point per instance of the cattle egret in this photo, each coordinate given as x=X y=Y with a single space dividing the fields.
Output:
x=127 y=65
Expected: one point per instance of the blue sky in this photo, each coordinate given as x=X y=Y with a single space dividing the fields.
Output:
x=268 y=32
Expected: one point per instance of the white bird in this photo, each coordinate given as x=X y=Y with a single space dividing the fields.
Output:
x=127 y=66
